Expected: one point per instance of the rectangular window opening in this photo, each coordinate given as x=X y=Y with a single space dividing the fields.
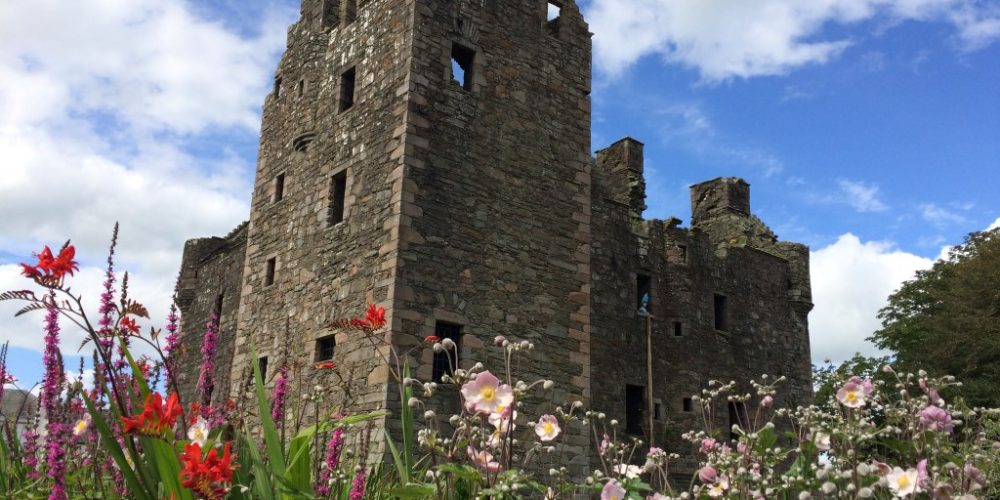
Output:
x=300 y=89
x=658 y=411
x=272 y=264
x=338 y=192
x=277 y=87
x=218 y=307
x=350 y=13
x=279 y=188
x=347 y=89
x=635 y=397
x=687 y=405
x=683 y=250
x=262 y=364
x=325 y=347
x=643 y=292
x=462 y=59
x=443 y=365
x=678 y=329
x=719 y=307
x=554 y=10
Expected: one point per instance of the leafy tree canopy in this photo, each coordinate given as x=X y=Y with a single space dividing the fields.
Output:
x=947 y=319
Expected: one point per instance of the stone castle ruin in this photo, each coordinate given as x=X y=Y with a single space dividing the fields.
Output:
x=433 y=157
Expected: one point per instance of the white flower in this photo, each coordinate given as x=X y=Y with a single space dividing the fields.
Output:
x=628 y=470
x=547 y=428
x=903 y=483
x=822 y=441
x=719 y=488
x=198 y=433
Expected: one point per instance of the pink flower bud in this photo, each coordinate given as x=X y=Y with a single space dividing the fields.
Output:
x=707 y=474
x=767 y=402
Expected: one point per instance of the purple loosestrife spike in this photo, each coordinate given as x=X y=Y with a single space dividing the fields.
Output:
x=30 y=440
x=173 y=328
x=332 y=461
x=279 y=394
x=208 y=347
x=52 y=386
x=3 y=368
x=358 y=485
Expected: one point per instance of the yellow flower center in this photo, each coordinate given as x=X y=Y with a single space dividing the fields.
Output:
x=903 y=482
x=852 y=396
x=548 y=427
x=487 y=393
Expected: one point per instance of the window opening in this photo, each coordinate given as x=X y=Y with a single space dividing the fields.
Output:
x=277 y=87
x=300 y=89
x=683 y=250
x=347 y=89
x=218 y=308
x=720 y=313
x=635 y=396
x=279 y=188
x=272 y=263
x=325 y=347
x=442 y=365
x=643 y=284
x=262 y=364
x=350 y=11
x=678 y=329
x=658 y=411
x=554 y=11
x=338 y=191
x=462 y=59
x=687 y=405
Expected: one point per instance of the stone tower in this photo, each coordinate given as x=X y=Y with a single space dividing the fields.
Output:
x=433 y=157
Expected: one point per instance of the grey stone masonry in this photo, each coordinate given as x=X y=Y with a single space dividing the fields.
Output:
x=433 y=157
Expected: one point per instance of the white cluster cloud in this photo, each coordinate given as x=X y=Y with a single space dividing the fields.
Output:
x=861 y=197
x=726 y=39
x=995 y=225
x=108 y=108
x=851 y=281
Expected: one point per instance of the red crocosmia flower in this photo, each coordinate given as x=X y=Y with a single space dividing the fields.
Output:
x=430 y=339
x=375 y=317
x=156 y=418
x=326 y=365
x=52 y=269
x=128 y=325
x=210 y=476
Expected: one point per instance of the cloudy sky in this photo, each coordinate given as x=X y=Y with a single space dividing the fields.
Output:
x=869 y=129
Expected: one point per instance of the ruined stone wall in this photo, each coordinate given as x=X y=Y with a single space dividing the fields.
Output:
x=496 y=214
x=210 y=279
x=729 y=253
x=326 y=269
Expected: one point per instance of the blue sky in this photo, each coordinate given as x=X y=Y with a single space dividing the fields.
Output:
x=868 y=129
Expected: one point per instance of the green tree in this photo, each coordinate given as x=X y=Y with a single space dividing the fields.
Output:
x=947 y=319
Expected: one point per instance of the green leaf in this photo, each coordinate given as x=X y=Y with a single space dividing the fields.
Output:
x=413 y=490
x=272 y=440
x=168 y=466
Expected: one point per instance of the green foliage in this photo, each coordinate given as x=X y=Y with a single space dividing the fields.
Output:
x=947 y=319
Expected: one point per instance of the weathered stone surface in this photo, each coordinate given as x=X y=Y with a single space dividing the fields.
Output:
x=479 y=205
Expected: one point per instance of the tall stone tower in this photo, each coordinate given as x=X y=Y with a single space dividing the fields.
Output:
x=432 y=158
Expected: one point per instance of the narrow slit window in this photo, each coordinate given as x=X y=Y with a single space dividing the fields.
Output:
x=683 y=251
x=218 y=308
x=350 y=11
x=300 y=89
x=687 y=405
x=347 y=88
x=338 y=192
x=721 y=316
x=272 y=264
x=643 y=292
x=658 y=411
x=262 y=364
x=325 y=347
x=279 y=188
x=462 y=60
x=442 y=364
x=635 y=396
x=277 y=87
x=678 y=329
